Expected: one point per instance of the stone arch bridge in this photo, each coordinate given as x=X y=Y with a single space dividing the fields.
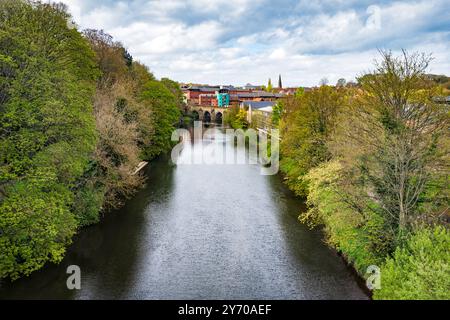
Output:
x=209 y=114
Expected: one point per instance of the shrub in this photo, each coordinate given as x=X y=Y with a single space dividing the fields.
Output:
x=347 y=230
x=420 y=269
x=36 y=225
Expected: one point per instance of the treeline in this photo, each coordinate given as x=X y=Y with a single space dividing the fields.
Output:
x=372 y=162
x=236 y=118
x=77 y=115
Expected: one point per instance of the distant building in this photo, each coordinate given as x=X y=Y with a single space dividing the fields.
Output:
x=223 y=98
x=208 y=99
x=287 y=91
x=259 y=113
x=249 y=86
x=259 y=96
x=192 y=93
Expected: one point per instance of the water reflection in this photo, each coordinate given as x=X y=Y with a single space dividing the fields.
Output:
x=199 y=232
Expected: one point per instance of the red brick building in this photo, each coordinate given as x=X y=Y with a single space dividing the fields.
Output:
x=207 y=99
x=207 y=95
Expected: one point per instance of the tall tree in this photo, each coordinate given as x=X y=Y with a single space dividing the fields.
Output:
x=175 y=88
x=398 y=139
x=165 y=115
x=307 y=123
x=269 y=86
x=280 y=84
x=47 y=132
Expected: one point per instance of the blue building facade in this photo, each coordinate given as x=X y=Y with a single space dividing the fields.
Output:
x=223 y=98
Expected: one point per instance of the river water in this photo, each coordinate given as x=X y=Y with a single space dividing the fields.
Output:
x=199 y=231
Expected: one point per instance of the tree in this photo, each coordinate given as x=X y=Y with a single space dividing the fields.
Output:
x=269 y=86
x=165 y=115
x=307 y=123
x=397 y=137
x=277 y=113
x=240 y=122
x=419 y=269
x=47 y=132
x=110 y=55
x=123 y=123
x=324 y=81
x=299 y=92
x=174 y=87
x=236 y=118
x=140 y=75
x=280 y=84
x=77 y=115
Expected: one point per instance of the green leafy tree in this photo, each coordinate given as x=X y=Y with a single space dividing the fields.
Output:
x=165 y=114
x=236 y=118
x=277 y=113
x=47 y=132
x=305 y=128
x=269 y=87
x=419 y=269
x=299 y=92
x=175 y=88
x=398 y=138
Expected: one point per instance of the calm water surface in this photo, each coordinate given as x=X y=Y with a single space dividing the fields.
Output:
x=199 y=232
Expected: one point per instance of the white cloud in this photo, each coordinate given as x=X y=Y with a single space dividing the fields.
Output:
x=212 y=42
x=278 y=54
x=147 y=38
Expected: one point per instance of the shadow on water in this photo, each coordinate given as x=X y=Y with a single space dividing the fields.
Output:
x=199 y=232
x=105 y=252
x=307 y=248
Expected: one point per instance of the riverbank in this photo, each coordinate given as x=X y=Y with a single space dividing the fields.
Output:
x=360 y=166
x=199 y=232
x=78 y=122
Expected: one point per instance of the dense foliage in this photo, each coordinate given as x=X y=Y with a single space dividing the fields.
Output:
x=77 y=115
x=236 y=118
x=306 y=127
x=47 y=132
x=356 y=237
x=165 y=115
x=420 y=269
x=372 y=161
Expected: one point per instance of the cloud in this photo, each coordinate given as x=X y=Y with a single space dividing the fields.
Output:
x=278 y=54
x=148 y=38
x=240 y=41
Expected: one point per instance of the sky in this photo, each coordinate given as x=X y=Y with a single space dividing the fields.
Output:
x=249 y=41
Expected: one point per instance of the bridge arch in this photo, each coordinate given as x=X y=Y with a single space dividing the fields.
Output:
x=219 y=117
x=196 y=115
x=206 y=117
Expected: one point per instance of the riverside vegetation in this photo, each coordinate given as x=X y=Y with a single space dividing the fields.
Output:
x=77 y=115
x=372 y=161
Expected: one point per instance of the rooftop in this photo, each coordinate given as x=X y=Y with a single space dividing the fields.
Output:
x=255 y=105
x=259 y=94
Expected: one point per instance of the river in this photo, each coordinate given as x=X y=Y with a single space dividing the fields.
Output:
x=201 y=231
